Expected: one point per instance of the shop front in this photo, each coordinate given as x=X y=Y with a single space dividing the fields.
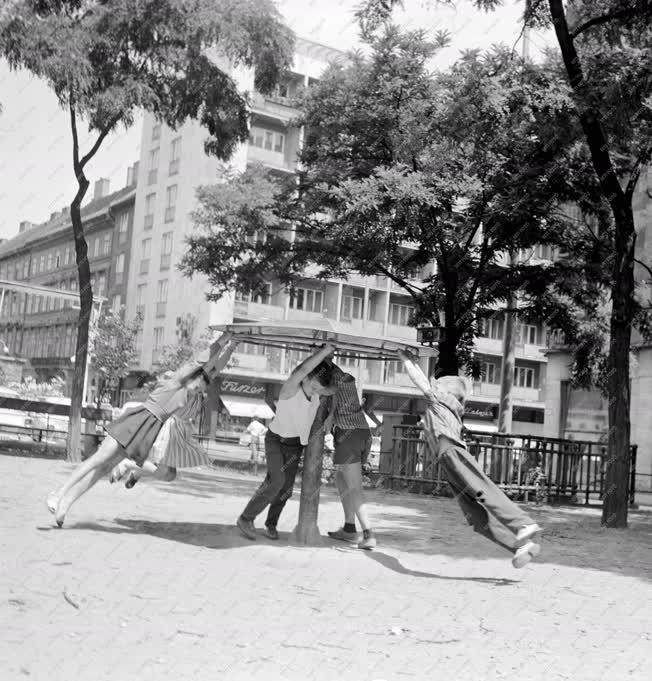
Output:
x=238 y=402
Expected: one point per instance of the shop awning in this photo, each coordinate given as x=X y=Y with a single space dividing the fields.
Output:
x=480 y=427
x=247 y=406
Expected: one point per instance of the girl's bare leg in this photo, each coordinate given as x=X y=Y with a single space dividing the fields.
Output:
x=87 y=474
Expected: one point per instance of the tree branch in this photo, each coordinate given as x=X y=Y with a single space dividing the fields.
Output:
x=644 y=266
x=99 y=140
x=638 y=166
x=610 y=16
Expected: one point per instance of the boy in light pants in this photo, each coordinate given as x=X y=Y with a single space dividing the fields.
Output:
x=484 y=505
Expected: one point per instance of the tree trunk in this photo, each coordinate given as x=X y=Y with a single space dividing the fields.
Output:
x=86 y=307
x=614 y=510
x=448 y=362
x=615 y=500
x=306 y=533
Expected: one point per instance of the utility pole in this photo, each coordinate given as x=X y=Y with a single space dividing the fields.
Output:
x=509 y=342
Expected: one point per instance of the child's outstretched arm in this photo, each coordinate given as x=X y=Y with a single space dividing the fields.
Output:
x=415 y=373
x=293 y=383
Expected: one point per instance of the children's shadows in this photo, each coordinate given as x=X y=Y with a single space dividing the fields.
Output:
x=394 y=564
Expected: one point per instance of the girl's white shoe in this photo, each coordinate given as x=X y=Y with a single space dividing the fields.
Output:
x=52 y=501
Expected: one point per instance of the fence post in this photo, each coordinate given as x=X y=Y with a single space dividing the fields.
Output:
x=632 y=476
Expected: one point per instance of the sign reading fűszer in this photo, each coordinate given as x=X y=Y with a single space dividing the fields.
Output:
x=239 y=388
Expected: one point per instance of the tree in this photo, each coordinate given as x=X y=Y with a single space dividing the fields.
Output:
x=605 y=48
x=31 y=389
x=107 y=59
x=401 y=168
x=112 y=351
x=187 y=347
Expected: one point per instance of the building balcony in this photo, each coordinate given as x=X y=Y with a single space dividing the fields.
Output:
x=405 y=332
x=492 y=390
x=279 y=108
x=304 y=315
x=257 y=311
x=273 y=159
x=363 y=327
x=489 y=346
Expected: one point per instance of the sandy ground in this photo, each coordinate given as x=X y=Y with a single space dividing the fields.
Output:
x=155 y=583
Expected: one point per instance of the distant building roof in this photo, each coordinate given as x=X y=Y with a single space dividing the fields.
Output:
x=62 y=223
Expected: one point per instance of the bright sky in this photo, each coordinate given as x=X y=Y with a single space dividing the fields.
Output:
x=36 y=176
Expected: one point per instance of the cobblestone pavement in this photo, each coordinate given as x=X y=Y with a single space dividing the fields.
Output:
x=155 y=583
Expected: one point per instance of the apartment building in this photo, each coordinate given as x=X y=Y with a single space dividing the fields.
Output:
x=42 y=329
x=172 y=165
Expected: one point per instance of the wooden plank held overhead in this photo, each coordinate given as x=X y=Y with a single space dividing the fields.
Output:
x=292 y=335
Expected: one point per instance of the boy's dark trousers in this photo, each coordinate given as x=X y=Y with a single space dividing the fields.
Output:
x=283 y=456
x=484 y=505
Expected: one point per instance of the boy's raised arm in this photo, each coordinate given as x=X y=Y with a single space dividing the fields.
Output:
x=415 y=373
x=291 y=386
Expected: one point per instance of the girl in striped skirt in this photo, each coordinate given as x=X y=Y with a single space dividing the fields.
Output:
x=175 y=447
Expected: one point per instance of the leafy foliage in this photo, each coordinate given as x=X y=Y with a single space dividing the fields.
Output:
x=401 y=167
x=31 y=389
x=188 y=344
x=113 y=351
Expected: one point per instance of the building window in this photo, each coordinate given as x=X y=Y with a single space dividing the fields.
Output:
x=491 y=327
x=352 y=307
x=489 y=373
x=25 y=268
x=399 y=315
x=156 y=131
x=170 y=202
x=107 y=244
x=123 y=227
x=166 y=251
x=524 y=377
x=146 y=247
x=262 y=296
x=152 y=174
x=161 y=297
x=101 y=284
x=392 y=370
x=529 y=333
x=267 y=139
x=97 y=246
x=66 y=257
x=116 y=304
x=306 y=299
x=157 y=343
x=119 y=268
x=175 y=156
x=50 y=260
x=42 y=263
x=140 y=300
x=150 y=201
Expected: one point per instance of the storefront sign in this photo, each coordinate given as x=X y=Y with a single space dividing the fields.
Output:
x=479 y=411
x=239 y=388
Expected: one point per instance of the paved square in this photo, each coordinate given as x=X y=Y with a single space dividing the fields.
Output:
x=156 y=583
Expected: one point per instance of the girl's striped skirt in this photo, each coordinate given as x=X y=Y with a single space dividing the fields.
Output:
x=176 y=447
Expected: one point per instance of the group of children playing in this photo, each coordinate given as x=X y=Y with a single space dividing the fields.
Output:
x=155 y=438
